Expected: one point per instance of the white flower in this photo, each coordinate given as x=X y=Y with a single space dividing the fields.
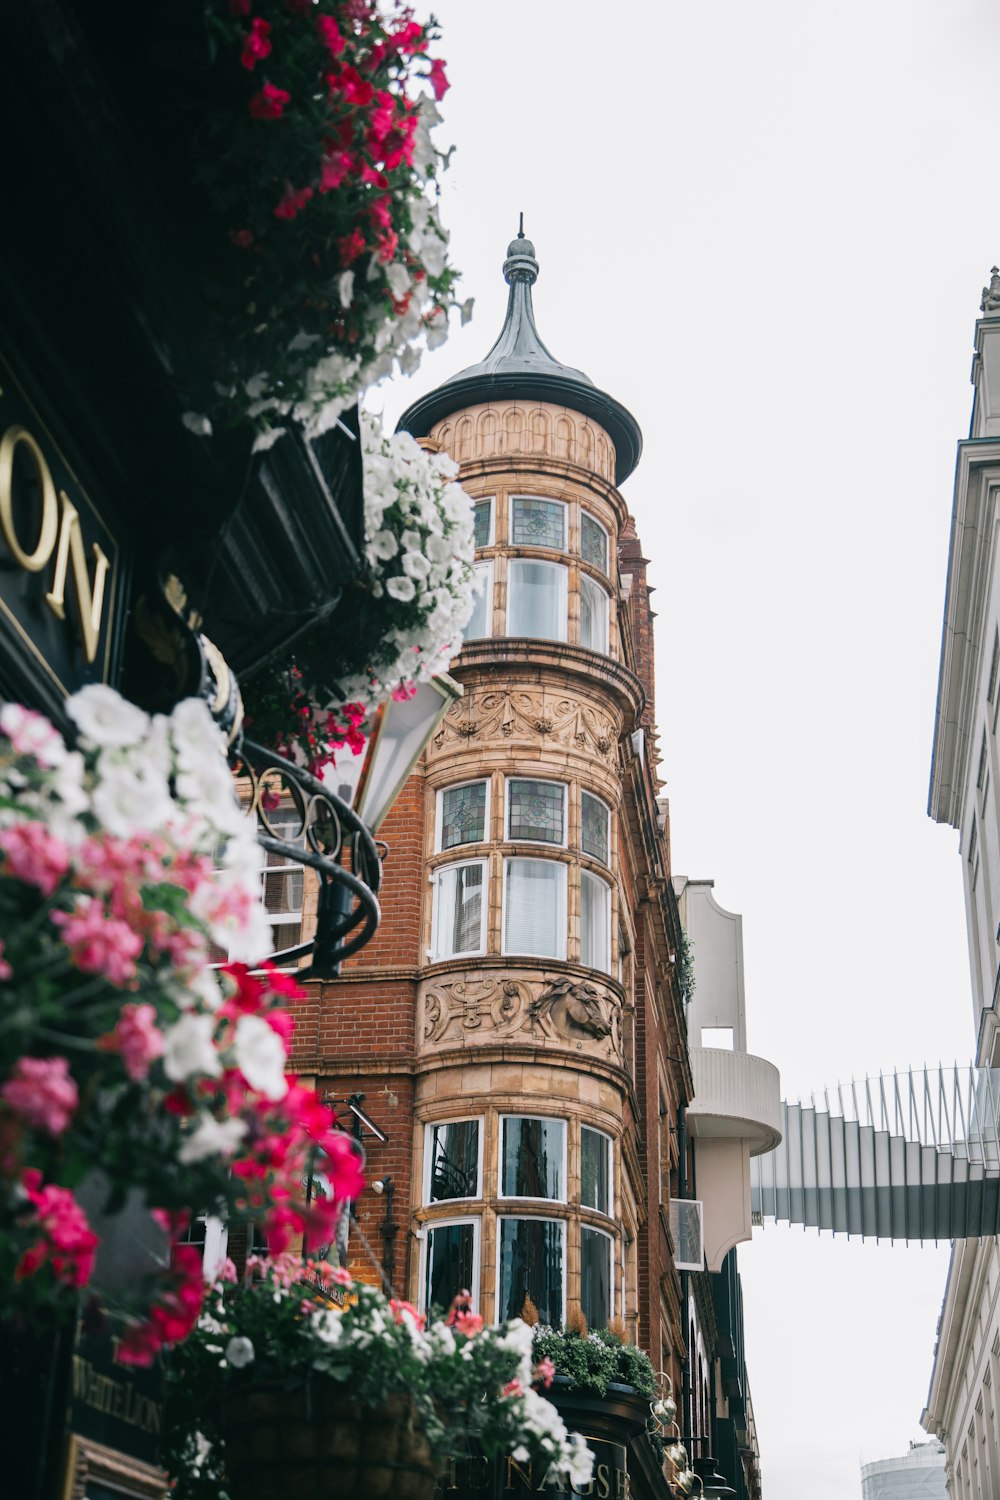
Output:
x=189 y=1048
x=415 y=565
x=266 y=438
x=195 y=734
x=382 y=546
x=437 y=332
x=465 y=311
x=432 y=254
x=345 y=288
x=403 y=589
x=411 y=541
x=409 y=359
x=398 y=278
x=211 y=1137
x=328 y=1326
x=239 y=1352
x=196 y=423
x=104 y=718
x=127 y=799
x=260 y=1056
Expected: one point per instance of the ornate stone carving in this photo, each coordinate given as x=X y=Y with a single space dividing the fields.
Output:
x=577 y=1009
x=991 y=294
x=498 y=1007
x=528 y=712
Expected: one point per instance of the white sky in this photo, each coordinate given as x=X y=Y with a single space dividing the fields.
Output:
x=764 y=227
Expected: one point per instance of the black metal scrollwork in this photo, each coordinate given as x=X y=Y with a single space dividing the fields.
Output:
x=323 y=831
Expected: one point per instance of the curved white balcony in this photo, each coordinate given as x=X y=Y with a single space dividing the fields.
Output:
x=736 y=1096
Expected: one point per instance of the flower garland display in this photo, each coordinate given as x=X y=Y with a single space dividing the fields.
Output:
x=129 y=1069
x=474 y=1387
x=399 y=625
x=318 y=159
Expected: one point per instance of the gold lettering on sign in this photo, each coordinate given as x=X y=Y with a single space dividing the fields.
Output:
x=115 y=1398
x=60 y=533
x=33 y=561
x=89 y=598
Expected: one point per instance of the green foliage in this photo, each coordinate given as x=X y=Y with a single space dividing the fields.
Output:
x=596 y=1360
x=685 y=967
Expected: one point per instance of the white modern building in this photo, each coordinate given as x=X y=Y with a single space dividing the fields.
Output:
x=965 y=792
x=916 y=1475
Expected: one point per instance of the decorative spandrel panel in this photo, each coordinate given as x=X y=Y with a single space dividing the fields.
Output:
x=494 y=718
x=514 y=1007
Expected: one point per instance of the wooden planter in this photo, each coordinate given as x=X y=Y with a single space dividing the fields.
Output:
x=317 y=1444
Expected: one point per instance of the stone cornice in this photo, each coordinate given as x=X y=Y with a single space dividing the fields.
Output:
x=505 y=656
x=970 y=564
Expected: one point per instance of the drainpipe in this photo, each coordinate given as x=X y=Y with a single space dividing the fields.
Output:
x=687 y=1423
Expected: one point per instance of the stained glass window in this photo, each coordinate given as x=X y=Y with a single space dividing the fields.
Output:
x=452 y=1263
x=463 y=814
x=532 y=1158
x=536 y=811
x=537 y=523
x=454 y=1160
x=596 y=827
x=595 y=1277
x=593 y=542
x=531 y=1265
x=595 y=1170
x=482 y=522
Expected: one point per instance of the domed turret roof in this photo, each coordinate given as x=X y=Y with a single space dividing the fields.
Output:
x=520 y=368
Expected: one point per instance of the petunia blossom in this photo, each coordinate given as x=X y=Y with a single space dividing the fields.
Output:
x=42 y=1092
x=257 y=45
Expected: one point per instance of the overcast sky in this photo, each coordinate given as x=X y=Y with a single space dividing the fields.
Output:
x=764 y=228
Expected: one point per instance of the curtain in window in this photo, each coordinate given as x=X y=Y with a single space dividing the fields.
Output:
x=595 y=922
x=595 y=1277
x=534 y=908
x=460 y=919
x=537 y=593
x=450 y=1263
x=531 y=1265
x=593 y=616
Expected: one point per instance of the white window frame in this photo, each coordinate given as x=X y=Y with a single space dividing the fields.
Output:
x=598 y=879
x=215 y=1247
x=560 y=913
x=594 y=1229
x=542 y=843
x=564 y=1168
x=429 y=1129
x=544 y=500
x=489 y=500
x=486 y=594
x=562 y=578
x=609 y=1143
x=587 y=582
x=424 y=1235
x=548 y=1219
x=436 y=955
x=606 y=570
x=456 y=786
x=586 y=792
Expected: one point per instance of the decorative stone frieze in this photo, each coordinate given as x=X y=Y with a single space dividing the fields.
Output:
x=535 y=430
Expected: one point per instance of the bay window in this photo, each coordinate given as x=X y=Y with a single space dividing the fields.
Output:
x=453 y=1159
x=534 y=908
x=537 y=523
x=481 y=620
x=595 y=827
x=593 y=542
x=531 y=1261
x=459 y=924
x=536 y=811
x=595 y=922
x=594 y=615
x=532 y=1157
x=451 y=1263
x=462 y=814
x=595 y=1170
x=536 y=599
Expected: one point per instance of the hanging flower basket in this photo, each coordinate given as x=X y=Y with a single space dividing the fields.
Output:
x=316 y=1443
x=400 y=624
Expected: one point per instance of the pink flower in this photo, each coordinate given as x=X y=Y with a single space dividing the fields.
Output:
x=30 y=733
x=329 y=35
x=438 y=81
x=468 y=1323
x=34 y=855
x=239 y=7
x=269 y=103
x=67 y=1240
x=333 y=168
x=544 y=1373
x=513 y=1388
x=6 y=972
x=401 y=1309
x=241 y=238
x=257 y=44
x=341 y=1276
x=293 y=201
x=42 y=1092
x=98 y=942
x=404 y=692
x=137 y=1037
x=351 y=246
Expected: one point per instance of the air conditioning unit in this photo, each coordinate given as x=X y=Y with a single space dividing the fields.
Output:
x=687 y=1230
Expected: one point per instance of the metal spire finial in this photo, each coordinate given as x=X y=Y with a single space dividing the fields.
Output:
x=520 y=227
x=991 y=294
